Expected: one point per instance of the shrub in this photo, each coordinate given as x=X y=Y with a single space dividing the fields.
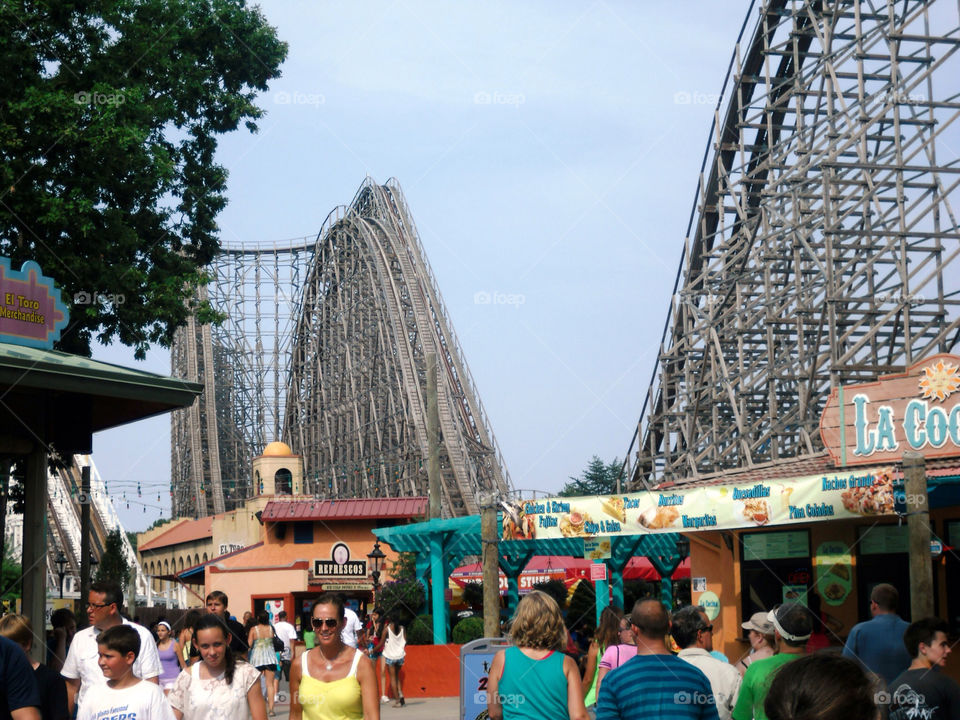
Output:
x=468 y=629
x=420 y=631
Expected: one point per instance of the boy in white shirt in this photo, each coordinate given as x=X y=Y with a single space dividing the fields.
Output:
x=125 y=695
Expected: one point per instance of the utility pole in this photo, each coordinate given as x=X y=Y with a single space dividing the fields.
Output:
x=918 y=525
x=491 y=565
x=433 y=437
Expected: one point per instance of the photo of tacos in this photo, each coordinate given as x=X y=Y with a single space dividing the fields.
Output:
x=613 y=506
x=840 y=571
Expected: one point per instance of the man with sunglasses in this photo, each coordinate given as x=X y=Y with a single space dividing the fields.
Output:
x=692 y=631
x=81 y=669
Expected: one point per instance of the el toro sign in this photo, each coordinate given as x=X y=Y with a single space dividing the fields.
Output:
x=914 y=410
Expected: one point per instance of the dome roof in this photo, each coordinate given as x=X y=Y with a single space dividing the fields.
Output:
x=277 y=449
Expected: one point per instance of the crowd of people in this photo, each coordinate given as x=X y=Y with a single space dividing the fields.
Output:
x=645 y=664
x=654 y=664
x=211 y=667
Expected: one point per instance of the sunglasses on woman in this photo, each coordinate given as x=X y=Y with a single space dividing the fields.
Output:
x=321 y=622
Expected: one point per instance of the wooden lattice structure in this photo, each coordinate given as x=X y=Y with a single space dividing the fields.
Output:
x=325 y=347
x=823 y=244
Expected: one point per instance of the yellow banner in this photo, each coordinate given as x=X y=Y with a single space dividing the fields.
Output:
x=781 y=502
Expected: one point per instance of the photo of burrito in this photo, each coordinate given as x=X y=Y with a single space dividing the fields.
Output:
x=658 y=518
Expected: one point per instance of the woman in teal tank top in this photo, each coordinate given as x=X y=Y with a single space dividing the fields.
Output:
x=534 y=680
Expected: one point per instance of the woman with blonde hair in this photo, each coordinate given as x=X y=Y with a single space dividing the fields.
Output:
x=534 y=679
x=50 y=685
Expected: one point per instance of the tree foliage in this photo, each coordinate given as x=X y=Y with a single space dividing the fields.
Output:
x=473 y=595
x=420 y=630
x=583 y=606
x=401 y=599
x=404 y=567
x=556 y=589
x=113 y=565
x=110 y=113
x=597 y=479
x=11 y=577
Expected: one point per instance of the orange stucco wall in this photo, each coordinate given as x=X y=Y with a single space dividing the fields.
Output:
x=266 y=570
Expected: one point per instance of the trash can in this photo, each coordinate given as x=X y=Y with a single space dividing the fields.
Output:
x=475 y=659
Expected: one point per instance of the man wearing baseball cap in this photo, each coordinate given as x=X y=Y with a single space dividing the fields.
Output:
x=791 y=627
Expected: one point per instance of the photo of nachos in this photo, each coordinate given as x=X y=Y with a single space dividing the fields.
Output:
x=613 y=506
x=572 y=524
x=876 y=499
x=658 y=518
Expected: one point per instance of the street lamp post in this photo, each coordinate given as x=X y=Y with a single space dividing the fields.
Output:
x=61 y=561
x=375 y=557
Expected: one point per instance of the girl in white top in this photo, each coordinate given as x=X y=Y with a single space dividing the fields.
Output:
x=219 y=687
x=394 y=650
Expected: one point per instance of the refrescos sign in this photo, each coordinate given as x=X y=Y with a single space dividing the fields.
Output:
x=914 y=410
x=782 y=502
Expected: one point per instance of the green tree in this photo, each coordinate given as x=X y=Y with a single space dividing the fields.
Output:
x=11 y=577
x=401 y=599
x=110 y=114
x=132 y=538
x=597 y=479
x=404 y=567
x=583 y=606
x=113 y=565
x=473 y=596
x=555 y=589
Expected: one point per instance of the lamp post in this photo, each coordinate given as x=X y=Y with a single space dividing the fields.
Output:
x=375 y=557
x=683 y=547
x=61 y=561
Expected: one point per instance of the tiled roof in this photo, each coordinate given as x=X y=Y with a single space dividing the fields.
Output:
x=352 y=509
x=803 y=467
x=184 y=532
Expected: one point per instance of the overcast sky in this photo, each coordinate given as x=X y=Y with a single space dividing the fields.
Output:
x=549 y=152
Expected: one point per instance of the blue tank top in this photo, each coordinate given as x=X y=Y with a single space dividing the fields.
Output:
x=533 y=689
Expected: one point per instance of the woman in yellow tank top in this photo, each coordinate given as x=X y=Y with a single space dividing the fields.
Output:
x=332 y=681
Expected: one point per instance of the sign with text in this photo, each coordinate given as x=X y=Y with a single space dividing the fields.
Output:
x=913 y=410
x=31 y=311
x=340 y=565
x=846 y=494
x=598 y=571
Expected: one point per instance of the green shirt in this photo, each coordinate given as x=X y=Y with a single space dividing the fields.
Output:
x=756 y=683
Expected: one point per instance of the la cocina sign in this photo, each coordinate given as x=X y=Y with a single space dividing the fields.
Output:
x=877 y=422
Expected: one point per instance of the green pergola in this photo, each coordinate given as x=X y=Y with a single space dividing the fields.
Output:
x=441 y=545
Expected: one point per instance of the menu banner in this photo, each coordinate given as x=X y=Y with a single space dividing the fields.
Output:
x=782 y=502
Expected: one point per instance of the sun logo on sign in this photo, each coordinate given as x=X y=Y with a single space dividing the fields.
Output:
x=940 y=381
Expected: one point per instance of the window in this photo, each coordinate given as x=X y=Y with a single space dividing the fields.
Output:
x=774 y=568
x=303 y=533
x=283 y=482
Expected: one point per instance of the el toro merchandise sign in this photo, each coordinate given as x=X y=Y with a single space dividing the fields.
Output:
x=914 y=410
x=31 y=311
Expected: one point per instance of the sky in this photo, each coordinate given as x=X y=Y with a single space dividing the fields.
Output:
x=549 y=153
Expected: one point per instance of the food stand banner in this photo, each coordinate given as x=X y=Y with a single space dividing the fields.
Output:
x=782 y=502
